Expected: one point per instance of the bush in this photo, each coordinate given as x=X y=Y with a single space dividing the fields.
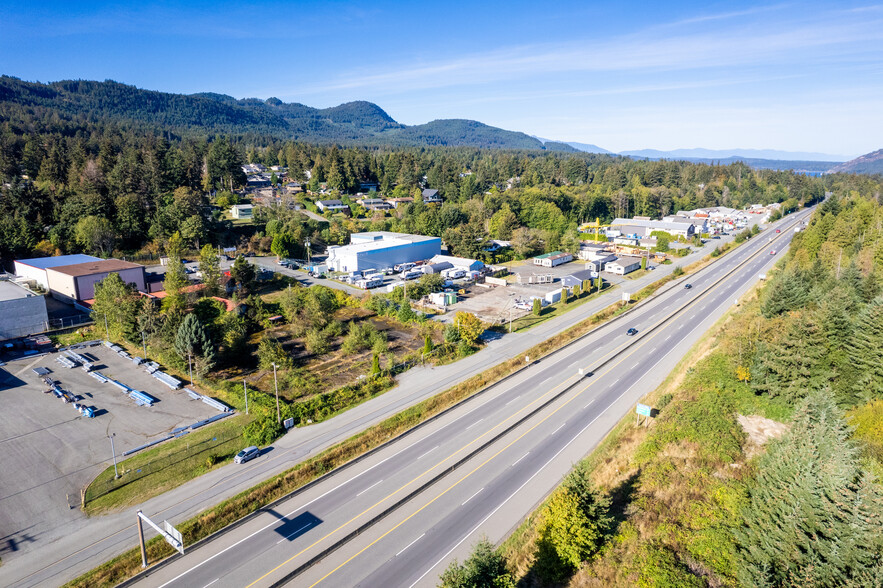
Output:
x=485 y=568
x=678 y=271
x=317 y=342
x=263 y=432
x=452 y=334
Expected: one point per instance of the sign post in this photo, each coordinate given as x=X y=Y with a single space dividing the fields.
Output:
x=172 y=536
x=645 y=411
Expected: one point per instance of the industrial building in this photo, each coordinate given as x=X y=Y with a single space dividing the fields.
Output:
x=72 y=283
x=643 y=227
x=35 y=269
x=381 y=249
x=463 y=263
x=22 y=312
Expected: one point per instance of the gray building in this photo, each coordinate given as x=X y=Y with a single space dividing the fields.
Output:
x=22 y=312
x=381 y=249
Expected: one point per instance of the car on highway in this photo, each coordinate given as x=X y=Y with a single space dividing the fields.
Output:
x=773 y=252
x=687 y=286
x=778 y=230
x=632 y=331
x=246 y=454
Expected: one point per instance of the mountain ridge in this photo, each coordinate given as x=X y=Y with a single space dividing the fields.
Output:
x=869 y=163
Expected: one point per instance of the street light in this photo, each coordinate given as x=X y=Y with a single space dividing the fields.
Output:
x=113 y=452
x=276 y=385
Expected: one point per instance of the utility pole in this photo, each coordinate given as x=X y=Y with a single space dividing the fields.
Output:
x=141 y=542
x=113 y=452
x=276 y=385
x=245 y=387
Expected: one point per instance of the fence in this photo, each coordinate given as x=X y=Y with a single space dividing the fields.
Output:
x=68 y=322
x=195 y=453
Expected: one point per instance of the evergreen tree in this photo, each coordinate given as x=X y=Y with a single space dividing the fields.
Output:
x=243 y=274
x=484 y=568
x=537 y=307
x=794 y=364
x=119 y=303
x=192 y=341
x=209 y=266
x=811 y=509
x=175 y=279
x=865 y=352
x=787 y=291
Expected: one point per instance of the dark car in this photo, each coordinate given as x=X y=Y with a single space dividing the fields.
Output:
x=246 y=454
x=687 y=286
x=632 y=331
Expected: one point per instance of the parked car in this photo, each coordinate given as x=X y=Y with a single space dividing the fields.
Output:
x=687 y=286
x=632 y=331
x=246 y=454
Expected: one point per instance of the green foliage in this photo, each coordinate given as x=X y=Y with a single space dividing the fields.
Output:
x=192 y=341
x=242 y=275
x=427 y=344
x=787 y=290
x=270 y=351
x=484 y=568
x=469 y=325
x=865 y=352
x=264 y=431
x=361 y=336
x=284 y=245
x=537 y=307
x=813 y=513
x=317 y=341
x=375 y=364
x=677 y=271
x=209 y=267
x=120 y=303
x=452 y=334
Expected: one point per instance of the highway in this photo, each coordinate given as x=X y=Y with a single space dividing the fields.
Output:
x=399 y=516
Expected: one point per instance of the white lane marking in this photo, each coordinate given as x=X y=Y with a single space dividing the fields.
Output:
x=526 y=482
x=410 y=544
x=667 y=338
x=473 y=424
x=276 y=521
x=681 y=326
x=617 y=380
x=294 y=533
x=210 y=583
x=558 y=429
x=652 y=350
x=368 y=488
x=590 y=403
x=471 y=497
x=513 y=400
x=522 y=457
x=428 y=452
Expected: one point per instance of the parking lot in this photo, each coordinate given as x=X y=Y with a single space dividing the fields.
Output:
x=49 y=452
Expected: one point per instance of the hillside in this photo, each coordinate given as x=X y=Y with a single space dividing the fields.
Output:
x=708 y=154
x=351 y=123
x=870 y=163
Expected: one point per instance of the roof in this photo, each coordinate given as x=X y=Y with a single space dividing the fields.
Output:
x=652 y=224
x=453 y=260
x=330 y=202
x=242 y=206
x=58 y=260
x=402 y=199
x=553 y=255
x=626 y=260
x=101 y=266
x=12 y=291
x=430 y=193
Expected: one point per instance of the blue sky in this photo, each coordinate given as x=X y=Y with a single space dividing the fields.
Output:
x=623 y=75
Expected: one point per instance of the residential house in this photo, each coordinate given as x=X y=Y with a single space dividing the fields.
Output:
x=332 y=206
x=431 y=196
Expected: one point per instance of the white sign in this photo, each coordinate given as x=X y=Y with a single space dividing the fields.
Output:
x=288 y=423
x=626 y=297
x=173 y=532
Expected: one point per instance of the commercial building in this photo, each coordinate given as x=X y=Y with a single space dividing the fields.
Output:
x=463 y=263
x=76 y=282
x=643 y=227
x=623 y=265
x=22 y=312
x=35 y=269
x=242 y=211
x=381 y=249
x=552 y=259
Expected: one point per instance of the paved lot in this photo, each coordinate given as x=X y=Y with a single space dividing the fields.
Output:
x=49 y=452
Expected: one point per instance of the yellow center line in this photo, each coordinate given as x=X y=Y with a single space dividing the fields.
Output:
x=418 y=477
x=640 y=344
x=635 y=348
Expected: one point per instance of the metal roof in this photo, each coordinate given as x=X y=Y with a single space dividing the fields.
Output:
x=58 y=260
x=96 y=267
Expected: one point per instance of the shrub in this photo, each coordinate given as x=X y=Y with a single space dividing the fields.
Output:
x=264 y=431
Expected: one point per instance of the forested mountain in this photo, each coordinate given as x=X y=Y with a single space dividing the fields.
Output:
x=212 y=114
x=869 y=163
x=699 y=153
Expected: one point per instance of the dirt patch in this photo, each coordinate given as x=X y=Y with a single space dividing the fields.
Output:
x=760 y=430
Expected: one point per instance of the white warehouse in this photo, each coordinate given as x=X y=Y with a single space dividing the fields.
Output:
x=381 y=249
x=35 y=269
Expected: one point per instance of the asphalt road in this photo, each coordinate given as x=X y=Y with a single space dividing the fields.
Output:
x=72 y=545
x=480 y=468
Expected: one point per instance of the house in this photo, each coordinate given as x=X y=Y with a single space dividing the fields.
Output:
x=242 y=211
x=577 y=278
x=331 y=206
x=375 y=203
x=431 y=196
x=369 y=186
x=552 y=259
x=396 y=202
x=623 y=265
x=293 y=187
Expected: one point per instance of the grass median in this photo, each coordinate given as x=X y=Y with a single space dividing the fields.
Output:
x=233 y=509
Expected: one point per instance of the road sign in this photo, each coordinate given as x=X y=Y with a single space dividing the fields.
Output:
x=626 y=297
x=173 y=532
x=288 y=423
x=643 y=410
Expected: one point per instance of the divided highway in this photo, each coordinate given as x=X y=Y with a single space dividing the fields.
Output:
x=397 y=517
